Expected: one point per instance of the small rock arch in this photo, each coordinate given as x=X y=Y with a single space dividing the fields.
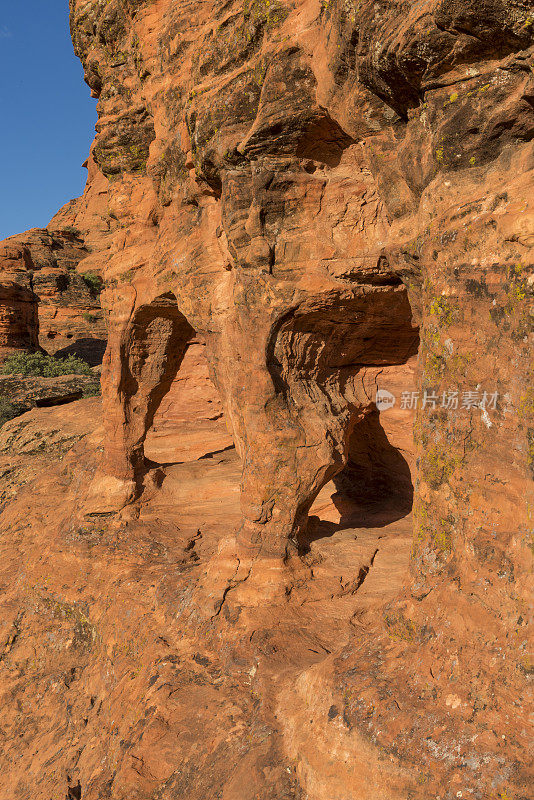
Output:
x=149 y=421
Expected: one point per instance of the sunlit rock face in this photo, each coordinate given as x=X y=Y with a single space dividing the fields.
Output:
x=314 y=222
x=19 y=324
x=56 y=306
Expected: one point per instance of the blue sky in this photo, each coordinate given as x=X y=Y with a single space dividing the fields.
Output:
x=47 y=115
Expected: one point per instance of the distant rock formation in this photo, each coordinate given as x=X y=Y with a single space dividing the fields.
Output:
x=65 y=315
x=19 y=323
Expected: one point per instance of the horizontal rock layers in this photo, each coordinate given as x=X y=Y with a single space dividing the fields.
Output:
x=19 y=322
x=66 y=317
x=314 y=225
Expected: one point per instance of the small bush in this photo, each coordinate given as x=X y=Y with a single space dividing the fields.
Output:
x=92 y=318
x=7 y=410
x=44 y=366
x=93 y=281
x=92 y=391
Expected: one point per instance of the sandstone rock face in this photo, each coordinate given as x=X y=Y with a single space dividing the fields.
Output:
x=19 y=322
x=65 y=316
x=315 y=226
x=26 y=392
x=189 y=422
x=50 y=303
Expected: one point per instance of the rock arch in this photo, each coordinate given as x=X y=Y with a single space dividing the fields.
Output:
x=324 y=357
x=151 y=346
x=154 y=355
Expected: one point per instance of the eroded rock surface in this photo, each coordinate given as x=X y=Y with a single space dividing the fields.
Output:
x=63 y=313
x=292 y=205
x=19 y=322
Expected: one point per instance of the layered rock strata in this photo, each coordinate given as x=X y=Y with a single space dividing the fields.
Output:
x=65 y=317
x=19 y=322
x=291 y=204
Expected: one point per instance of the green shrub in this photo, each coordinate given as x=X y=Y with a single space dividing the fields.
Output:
x=93 y=281
x=7 y=410
x=93 y=390
x=43 y=365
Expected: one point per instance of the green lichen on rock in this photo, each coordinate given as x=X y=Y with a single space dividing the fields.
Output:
x=443 y=309
x=169 y=172
x=125 y=147
x=443 y=533
x=84 y=632
x=402 y=628
x=530 y=451
x=267 y=12
x=439 y=465
x=238 y=38
x=526 y=405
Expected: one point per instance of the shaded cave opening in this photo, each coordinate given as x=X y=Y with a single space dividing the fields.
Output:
x=189 y=423
x=375 y=488
x=169 y=391
x=89 y=349
x=330 y=361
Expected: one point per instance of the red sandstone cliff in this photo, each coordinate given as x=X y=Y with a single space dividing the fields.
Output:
x=65 y=315
x=216 y=588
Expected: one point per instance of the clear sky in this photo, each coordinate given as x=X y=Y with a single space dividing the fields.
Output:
x=47 y=115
